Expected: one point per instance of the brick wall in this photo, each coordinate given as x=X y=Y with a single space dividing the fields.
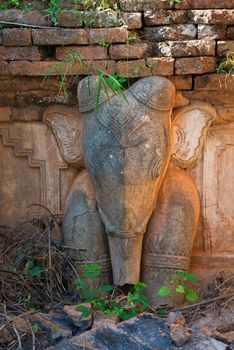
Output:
x=184 y=43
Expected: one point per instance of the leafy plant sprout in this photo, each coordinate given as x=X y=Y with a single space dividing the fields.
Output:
x=133 y=303
x=65 y=69
x=180 y=285
x=227 y=65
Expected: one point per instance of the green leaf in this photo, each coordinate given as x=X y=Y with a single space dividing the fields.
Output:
x=191 y=295
x=106 y=288
x=162 y=312
x=191 y=277
x=35 y=328
x=80 y=284
x=180 y=289
x=139 y=287
x=163 y=291
x=126 y=315
x=100 y=305
x=85 y=311
x=92 y=270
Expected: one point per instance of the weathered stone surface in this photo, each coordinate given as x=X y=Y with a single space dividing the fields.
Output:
x=132 y=20
x=160 y=66
x=118 y=52
x=185 y=48
x=211 y=16
x=30 y=53
x=224 y=47
x=53 y=324
x=5 y=114
x=180 y=335
x=175 y=317
x=85 y=52
x=24 y=154
x=215 y=82
x=159 y=17
x=193 y=121
x=82 y=323
x=205 y=4
x=17 y=37
x=132 y=69
x=173 y=32
x=124 y=221
x=195 y=65
x=213 y=31
x=56 y=36
x=141 y=5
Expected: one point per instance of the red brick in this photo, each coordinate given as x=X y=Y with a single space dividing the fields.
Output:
x=69 y=19
x=132 y=69
x=213 y=31
x=211 y=16
x=111 y=35
x=185 y=48
x=24 y=68
x=56 y=36
x=19 y=53
x=205 y=4
x=26 y=17
x=173 y=32
x=224 y=47
x=85 y=52
x=17 y=37
x=132 y=20
x=182 y=82
x=141 y=5
x=5 y=114
x=194 y=65
x=154 y=18
x=129 y=51
x=214 y=82
x=160 y=66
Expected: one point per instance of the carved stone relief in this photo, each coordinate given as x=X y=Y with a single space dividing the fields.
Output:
x=33 y=172
x=134 y=208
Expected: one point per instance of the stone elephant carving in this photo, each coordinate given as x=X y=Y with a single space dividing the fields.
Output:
x=132 y=182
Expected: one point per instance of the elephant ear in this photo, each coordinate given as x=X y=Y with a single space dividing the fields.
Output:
x=66 y=125
x=189 y=129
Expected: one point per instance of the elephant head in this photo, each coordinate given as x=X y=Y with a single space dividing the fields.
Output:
x=126 y=147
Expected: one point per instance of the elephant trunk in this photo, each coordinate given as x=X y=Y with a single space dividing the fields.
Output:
x=125 y=251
